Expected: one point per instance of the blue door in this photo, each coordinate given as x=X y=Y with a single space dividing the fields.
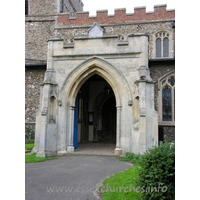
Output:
x=75 y=139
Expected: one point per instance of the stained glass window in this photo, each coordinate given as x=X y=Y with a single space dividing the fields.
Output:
x=166 y=103
x=158 y=47
x=162 y=45
x=168 y=98
x=174 y=104
x=166 y=47
x=163 y=82
x=172 y=81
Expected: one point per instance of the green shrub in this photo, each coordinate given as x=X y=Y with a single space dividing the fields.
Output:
x=29 y=134
x=157 y=172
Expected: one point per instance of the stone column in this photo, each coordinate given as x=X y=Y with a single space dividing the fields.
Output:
x=70 y=148
x=118 y=149
x=43 y=122
x=142 y=118
x=42 y=142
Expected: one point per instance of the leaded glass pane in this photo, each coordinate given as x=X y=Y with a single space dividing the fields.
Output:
x=166 y=104
x=163 y=82
x=166 y=47
x=158 y=47
x=172 y=81
x=174 y=104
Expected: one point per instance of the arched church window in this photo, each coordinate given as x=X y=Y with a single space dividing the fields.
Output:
x=158 y=48
x=162 y=45
x=167 y=98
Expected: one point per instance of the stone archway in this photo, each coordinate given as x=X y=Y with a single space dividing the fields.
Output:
x=125 y=69
x=79 y=76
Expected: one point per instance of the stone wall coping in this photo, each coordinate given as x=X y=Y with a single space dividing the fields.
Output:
x=145 y=81
x=161 y=59
x=83 y=12
x=40 y=20
x=139 y=7
x=56 y=39
x=120 y=9
x=103 y=10
x=83 y=37
x=48 y=83
x=137 y=34
x=160 y=5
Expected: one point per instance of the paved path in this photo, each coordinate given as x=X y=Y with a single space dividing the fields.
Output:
x=69 y=178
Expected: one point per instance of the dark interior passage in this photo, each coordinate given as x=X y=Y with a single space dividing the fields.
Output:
x=96 y=112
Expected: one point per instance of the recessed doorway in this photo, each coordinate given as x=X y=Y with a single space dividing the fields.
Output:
x=95 y=117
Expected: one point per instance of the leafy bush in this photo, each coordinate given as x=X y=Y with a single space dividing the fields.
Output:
x=157 y=172
x=29 y=134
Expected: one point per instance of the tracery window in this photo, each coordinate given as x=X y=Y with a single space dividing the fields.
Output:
x=167 y=98
x=162 y=44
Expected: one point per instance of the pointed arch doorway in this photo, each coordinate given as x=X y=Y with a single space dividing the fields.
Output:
x=71 y=88
x=95 y=117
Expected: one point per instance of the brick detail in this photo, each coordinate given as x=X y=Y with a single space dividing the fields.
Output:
x=160 y=13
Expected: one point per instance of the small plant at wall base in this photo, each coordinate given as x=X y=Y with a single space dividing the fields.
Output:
x=131 y=157
x=158 y=168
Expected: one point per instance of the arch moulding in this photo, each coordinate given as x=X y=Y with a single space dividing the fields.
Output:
x=90 y=67
x=74 y=81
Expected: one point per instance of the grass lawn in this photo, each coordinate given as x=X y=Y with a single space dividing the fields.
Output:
x=29 y=146
x=122 y=185
x=33 y=159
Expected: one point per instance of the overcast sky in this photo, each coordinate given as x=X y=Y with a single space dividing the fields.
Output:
x=110 y=5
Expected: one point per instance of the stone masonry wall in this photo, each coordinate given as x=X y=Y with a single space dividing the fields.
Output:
x=150 y=28
x=42 y=7
x=157 y=70
x=39 y=28
x=34 y=76
x=37 y=32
